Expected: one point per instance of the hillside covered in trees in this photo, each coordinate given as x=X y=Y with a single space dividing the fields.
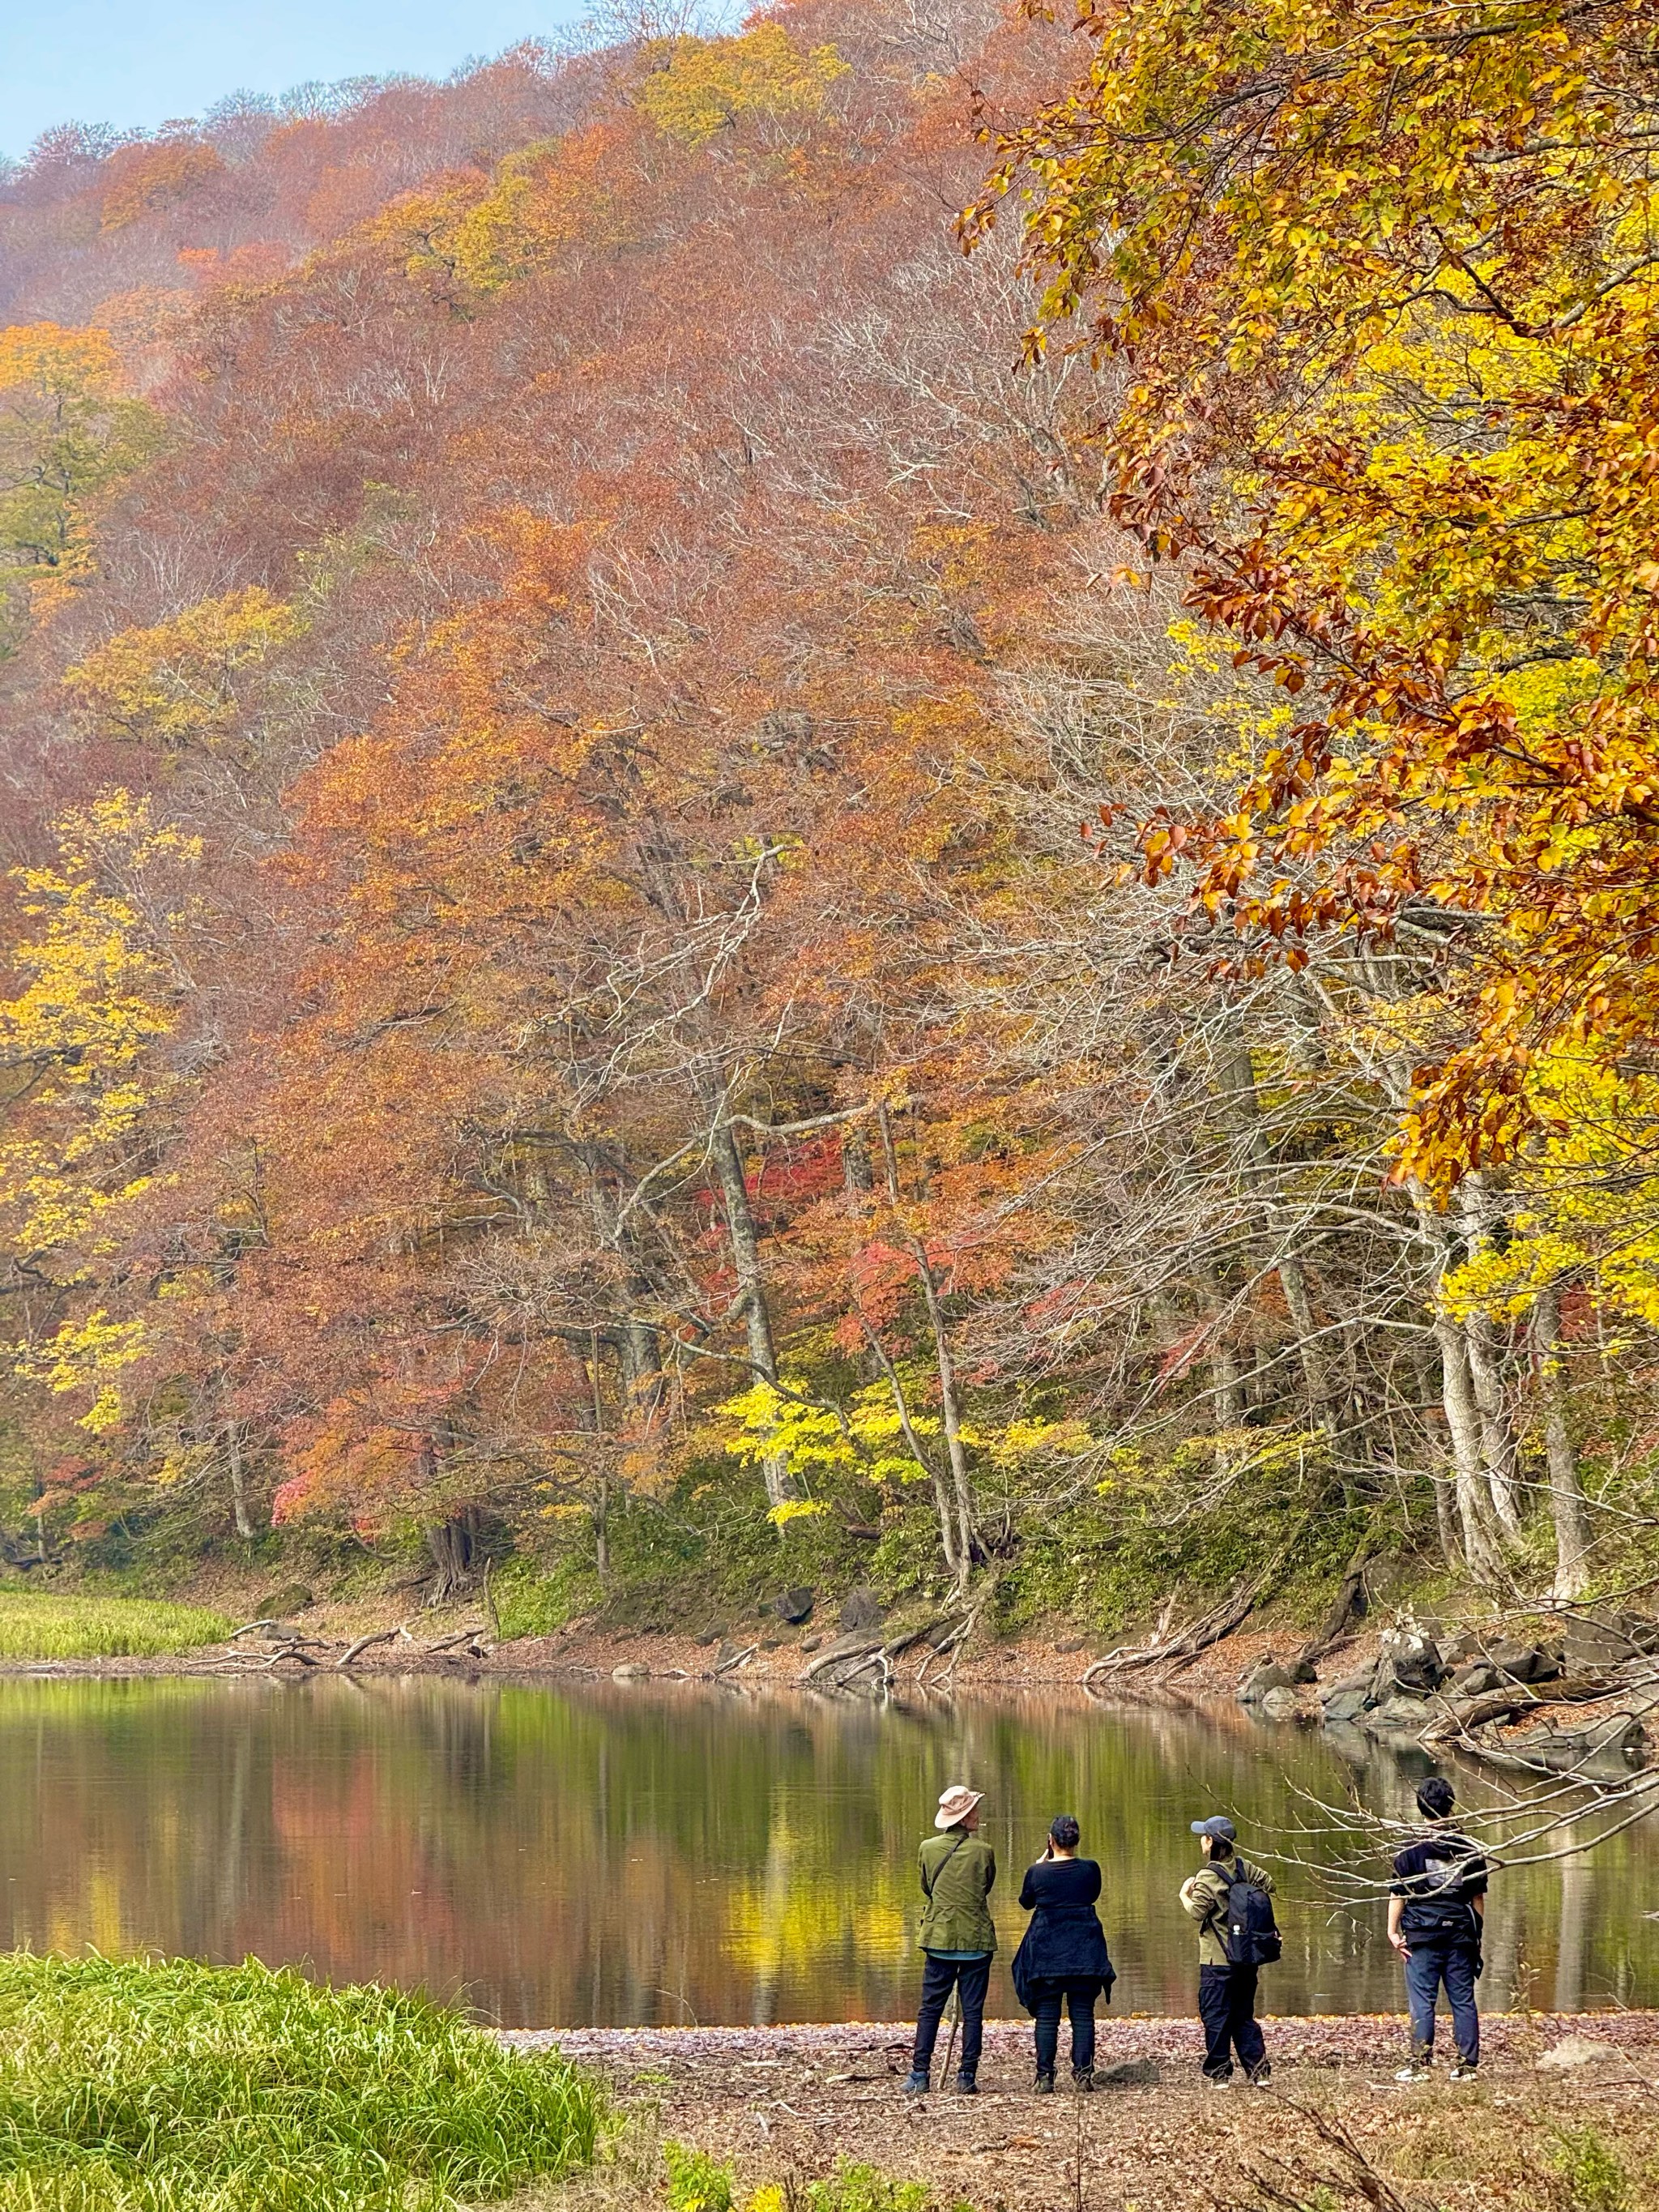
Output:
x=875 y=801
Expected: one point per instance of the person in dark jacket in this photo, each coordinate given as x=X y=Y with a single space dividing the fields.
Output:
x=1436 y=1912
x=958 y=1934
x=1226 y=1991
x=1062 y=1958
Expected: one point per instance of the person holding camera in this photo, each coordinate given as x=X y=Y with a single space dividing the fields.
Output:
x=1062 y=1958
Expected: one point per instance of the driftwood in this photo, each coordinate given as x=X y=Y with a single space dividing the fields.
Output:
x=378 y=1636
x=471 y=1639
x=1521 y=1698
x=738 y=1659
x=248 y=1627
x=865 y=1652
x=1192 y=1641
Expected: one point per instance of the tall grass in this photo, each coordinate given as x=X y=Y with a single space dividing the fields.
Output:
x=43 y=1624
x=185 y=2088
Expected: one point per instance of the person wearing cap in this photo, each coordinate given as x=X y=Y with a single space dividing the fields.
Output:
x=1226 y=1991
x=958 y=1936
x=1436 y=1912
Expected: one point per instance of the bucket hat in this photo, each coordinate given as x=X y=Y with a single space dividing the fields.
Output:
x=954 y=1804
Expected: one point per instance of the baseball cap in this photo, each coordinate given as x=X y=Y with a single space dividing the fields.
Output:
x=1218 y=1826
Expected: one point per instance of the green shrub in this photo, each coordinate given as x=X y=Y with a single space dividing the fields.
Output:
x=696 y=2182
x=1595 y=2178
x=857 y=2188
x=179 y=2087
x=46 y=1625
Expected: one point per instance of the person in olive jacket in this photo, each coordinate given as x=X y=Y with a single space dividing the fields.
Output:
x=1062 y=1957
x=1226 y=1991
x=958 y=1936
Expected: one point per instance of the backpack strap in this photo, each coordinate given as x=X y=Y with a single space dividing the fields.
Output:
x=926 y=1886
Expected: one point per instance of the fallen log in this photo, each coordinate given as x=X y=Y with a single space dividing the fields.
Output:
x=1192 y=1641
x=1465 y=1713
x=376 y=1636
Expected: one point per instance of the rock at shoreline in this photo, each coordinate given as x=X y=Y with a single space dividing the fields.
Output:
x=794 y=1606
x=1268 y=1675
x=1280 y=1703
x=631 y=1670
x=860 y=1610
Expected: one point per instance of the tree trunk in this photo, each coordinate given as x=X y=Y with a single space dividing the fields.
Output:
x=245 y=1527
x=1482 y=1552
x=952 y=1411
x=454 y=1547
x=1226 y=1378
x=1293 y=1278
x=1498 y=1448
x=752 y=1281
x=947 y=1539
x=1566 y=1493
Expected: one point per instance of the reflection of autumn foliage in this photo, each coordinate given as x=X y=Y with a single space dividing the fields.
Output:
x=613 y=1857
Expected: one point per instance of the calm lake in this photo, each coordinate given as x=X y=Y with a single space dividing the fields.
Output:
x=657 y=1853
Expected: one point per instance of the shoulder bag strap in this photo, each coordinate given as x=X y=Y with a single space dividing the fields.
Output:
x=926 y=1886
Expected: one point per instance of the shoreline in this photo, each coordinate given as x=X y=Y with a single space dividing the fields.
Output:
x=593 y=1655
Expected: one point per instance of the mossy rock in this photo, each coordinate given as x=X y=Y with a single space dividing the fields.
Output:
x=292 y=1597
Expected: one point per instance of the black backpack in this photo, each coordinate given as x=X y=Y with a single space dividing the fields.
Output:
x=1250 y=1937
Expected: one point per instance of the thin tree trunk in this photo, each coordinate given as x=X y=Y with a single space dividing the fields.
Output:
x=1226 y=1378
x=1566 y=1493
x=935 y=1474
x=245 y=1527
x=1445 y=1512
x=600 y=1508
x=751 y=1279
x=1481 y=1550
x=1498 y=1448
x=952 y=1411
x=949 y=1405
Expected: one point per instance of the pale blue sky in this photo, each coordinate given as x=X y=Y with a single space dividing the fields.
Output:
x=136 y=62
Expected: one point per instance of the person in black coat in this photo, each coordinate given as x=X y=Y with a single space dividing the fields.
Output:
x=1062 y=1957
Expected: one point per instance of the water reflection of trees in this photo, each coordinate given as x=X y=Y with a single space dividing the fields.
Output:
x=650 y=1854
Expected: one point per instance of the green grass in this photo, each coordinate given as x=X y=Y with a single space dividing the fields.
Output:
x=43 y=1624
x=185 y=2088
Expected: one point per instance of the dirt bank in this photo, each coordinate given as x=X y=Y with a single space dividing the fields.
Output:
x=785 y=2103
x=326 y=1634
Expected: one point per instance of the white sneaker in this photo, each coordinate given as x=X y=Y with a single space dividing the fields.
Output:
x=1463 y=2073
x=1417 y=2074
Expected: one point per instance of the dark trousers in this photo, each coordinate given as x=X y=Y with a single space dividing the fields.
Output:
x=1079 y=1998
x=1429 y=1967
x=1226 y=2005
x=972 y=1977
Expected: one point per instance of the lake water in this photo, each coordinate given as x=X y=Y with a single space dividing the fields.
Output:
x=657 y=1853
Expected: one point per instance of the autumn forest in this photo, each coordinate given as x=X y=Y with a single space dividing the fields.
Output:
x=868 y=799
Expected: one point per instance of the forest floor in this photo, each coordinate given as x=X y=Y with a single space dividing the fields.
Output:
x=1562 y=2118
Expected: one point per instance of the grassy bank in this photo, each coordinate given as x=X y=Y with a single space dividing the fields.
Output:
x=188 y=2089
x=51 y=1625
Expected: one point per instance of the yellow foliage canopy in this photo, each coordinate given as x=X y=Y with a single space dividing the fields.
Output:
x=179 y=683
x=698 y=87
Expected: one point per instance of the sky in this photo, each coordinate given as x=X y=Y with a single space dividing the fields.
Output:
x=138 y=63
